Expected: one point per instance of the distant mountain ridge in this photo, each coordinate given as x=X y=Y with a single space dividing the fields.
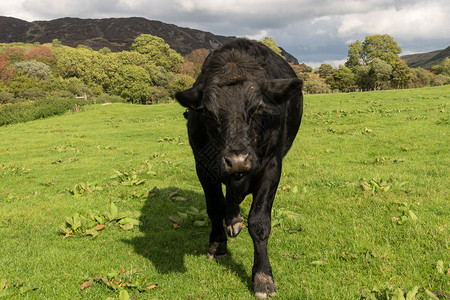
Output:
x=115 y=33
x=426 y=60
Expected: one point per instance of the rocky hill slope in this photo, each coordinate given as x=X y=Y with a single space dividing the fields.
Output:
x=115 y=33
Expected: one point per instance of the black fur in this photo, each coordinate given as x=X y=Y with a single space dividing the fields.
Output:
x=245 y=109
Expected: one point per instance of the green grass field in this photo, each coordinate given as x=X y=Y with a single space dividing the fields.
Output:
x=362 y=210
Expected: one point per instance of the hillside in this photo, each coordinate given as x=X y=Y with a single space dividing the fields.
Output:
x=426 y=60
x=115 y=33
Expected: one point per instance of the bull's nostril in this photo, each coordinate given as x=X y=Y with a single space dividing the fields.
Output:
x=228 y=162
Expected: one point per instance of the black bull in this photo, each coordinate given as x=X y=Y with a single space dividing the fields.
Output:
x=244 y=112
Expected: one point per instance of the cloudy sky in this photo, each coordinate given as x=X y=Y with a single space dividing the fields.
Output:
x=314 y=31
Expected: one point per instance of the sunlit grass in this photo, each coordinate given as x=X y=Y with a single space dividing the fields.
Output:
x=362 y=206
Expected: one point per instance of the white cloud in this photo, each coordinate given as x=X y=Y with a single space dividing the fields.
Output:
x=258 y=36
x=334 y=63
x=427 y=19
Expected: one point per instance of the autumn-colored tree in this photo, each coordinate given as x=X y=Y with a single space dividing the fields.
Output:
x=6 y=71
x=303 y=68
x=40 y=53
x=197 y=57
x=15 y=54
x=187 y=68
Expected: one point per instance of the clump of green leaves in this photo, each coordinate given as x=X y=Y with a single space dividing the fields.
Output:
x=443 y=121
x=407 y=215
x=198 y=217
x=171 y=140
x=384 y=160
x=121 y=280
x=191 y=214
x=7 y=197
x=12 y=170
x=415 y=293
x=286 y=220
x=63 y=147
x=92 y=223
x=376 y=185
x=82 y=189
x=120 y=218
x=8 y=289
x=133 y=177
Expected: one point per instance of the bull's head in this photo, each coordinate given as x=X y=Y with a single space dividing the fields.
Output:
x=240 y=117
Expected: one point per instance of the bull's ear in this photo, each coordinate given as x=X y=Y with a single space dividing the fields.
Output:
x=281 y=90
x=190 y=98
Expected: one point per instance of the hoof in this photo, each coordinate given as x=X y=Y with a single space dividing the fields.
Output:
x=264 y=286
x=233 y=230
x=217 y=250
x=234 y=225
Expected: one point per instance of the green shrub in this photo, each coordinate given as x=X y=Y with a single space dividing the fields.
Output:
x=421 y=78
x=33 y=69
x=32 y=93
x=158 y=95
x=179 y=83
x=6 y=97
x=18 y=83
x=81 y=90
x=106 y=98
x=62 y=94
x=440 y=79
x=315 y=87
x=75 y=86
x=32 y=110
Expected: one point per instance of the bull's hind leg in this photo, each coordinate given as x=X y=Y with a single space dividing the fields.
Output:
x=215 y=207
x=259 y=226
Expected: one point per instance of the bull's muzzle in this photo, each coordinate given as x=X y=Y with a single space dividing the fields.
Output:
x=237 y=164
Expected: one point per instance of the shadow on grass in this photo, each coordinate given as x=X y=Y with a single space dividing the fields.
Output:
x=166 y=246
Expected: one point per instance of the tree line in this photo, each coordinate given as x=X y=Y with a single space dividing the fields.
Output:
x=151 y=72
x=373 y=64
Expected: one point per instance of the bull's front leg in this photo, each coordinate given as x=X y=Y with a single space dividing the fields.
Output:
x=259 y=226
x=233 y=214
x=215 y=207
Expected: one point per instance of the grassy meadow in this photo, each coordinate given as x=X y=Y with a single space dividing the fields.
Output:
x=107 y=200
